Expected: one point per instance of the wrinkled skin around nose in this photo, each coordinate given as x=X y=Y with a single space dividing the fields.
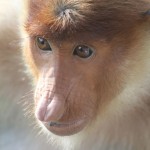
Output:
x=65 y=96
x=53 y=90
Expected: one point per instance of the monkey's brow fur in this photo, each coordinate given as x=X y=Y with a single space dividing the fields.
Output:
x=66 y=18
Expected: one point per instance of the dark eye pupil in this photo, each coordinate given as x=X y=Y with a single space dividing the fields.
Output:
x=83 y=51
x=43 y=44
x=80 y=48
x=41 y=41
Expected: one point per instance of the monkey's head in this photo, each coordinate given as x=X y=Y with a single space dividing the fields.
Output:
x=81 y=53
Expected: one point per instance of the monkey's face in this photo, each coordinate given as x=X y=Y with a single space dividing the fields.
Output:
x=79 y=54
x=75 y=79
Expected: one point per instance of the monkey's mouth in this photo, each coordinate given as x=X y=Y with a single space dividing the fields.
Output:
x=66 y=129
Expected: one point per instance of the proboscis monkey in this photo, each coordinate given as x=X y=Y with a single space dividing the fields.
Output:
x=90 y=62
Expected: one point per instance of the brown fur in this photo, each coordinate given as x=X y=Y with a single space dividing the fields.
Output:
x=65 y=19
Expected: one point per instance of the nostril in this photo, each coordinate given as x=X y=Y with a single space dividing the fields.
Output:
x=52 y=124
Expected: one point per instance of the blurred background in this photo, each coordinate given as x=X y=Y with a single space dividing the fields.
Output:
x=17 y=129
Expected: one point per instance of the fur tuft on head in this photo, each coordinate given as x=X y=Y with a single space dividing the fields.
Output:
x=67 y=14
x=66 y=18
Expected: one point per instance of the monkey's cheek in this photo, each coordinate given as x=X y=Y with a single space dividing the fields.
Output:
x=66 y=129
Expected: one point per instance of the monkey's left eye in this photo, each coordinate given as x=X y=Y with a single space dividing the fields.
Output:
x=43 y=44
x=83 y=51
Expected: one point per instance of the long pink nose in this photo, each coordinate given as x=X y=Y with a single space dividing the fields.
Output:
x=52 y=111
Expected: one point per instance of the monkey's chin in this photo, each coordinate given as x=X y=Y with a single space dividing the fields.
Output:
x=66 y=129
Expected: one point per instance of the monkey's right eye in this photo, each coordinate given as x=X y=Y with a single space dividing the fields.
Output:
x=43 y=44
x=83 y=51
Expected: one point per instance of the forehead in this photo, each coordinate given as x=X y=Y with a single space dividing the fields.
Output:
x=63 y=19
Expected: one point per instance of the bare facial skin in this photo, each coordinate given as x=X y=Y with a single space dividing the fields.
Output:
x=90 y=65
x=61 y=87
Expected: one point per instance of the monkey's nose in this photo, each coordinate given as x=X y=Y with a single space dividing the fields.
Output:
x=55 y=110
x=41 y=108
x=51 y=112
